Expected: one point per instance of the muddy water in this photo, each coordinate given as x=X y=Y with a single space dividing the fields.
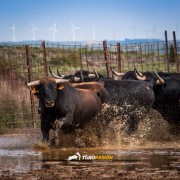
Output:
x=127 y=159
x=151 y=148
x=156 y=156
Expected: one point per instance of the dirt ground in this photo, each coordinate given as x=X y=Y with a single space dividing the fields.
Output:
x=69 y=172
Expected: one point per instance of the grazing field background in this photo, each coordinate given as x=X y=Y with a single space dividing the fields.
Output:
x=20 y=64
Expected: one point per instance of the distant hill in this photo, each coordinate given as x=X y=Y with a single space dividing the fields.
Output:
x=38 y=42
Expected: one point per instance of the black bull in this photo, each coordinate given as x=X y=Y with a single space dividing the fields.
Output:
x=166 y=87
x=59 y=100
x=130 y=95
x=75 y=106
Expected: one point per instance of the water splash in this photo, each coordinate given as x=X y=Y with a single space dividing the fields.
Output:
x=109 y=128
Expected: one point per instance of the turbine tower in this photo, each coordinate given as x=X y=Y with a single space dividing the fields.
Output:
x=94 y=32
x=54 y=31
x=73 y=31
x=13 y=28
x=33 y=30
x=177 y=32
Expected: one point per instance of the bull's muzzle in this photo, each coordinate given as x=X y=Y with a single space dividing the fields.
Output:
x=49 y=103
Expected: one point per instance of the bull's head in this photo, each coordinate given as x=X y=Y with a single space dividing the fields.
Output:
x=46 y=90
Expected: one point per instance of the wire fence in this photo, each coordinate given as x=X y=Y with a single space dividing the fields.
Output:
x=25 y=63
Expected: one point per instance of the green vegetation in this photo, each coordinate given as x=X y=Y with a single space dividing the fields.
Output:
x=13 y=115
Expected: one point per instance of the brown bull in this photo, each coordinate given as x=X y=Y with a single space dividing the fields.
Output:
x=60 y=100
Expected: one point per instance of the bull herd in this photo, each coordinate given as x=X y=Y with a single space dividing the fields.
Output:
x=73 y=100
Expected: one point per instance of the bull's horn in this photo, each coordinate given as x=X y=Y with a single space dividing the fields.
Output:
x=34 y=83
x=93 y=75
x=61 y=80
x=96 y=74
x=142 y=78
x=138 y=72
x=59 y=74
x=160 y=81
x=90 y=75
x=116 y=73
x=75 y=79
x=54 y=75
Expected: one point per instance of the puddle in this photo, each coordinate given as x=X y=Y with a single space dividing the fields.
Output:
x=126 y=159
x=19 y=155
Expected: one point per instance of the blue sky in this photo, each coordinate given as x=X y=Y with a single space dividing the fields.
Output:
x=112 y=19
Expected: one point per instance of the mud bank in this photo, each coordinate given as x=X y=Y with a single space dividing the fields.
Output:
x=59 y=171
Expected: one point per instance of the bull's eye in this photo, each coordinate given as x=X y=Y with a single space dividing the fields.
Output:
x=34 y=91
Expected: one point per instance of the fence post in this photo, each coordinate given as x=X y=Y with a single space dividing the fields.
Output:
x=119 y=56
x=106 y=56
x=175 y=51
x=29 y=80
x=44 y=59
x=167 y=52
x=86 y=51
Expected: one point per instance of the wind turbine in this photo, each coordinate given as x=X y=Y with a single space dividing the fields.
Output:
x=33 y=30
x=73 y=31
x=94 y=32
x=13 y=28
x=54 y=31
x=177 y=32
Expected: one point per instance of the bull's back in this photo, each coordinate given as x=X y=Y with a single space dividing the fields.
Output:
x=88 y=105
x=130 y=92
x=94 y=85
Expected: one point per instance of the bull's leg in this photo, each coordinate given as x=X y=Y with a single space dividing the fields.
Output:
x=56 y=127
x=45 y=132
x=66 y=123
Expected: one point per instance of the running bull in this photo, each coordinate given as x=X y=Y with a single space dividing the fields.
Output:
x=58 y=99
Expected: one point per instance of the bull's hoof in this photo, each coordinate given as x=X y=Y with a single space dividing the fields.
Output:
x=55 y=142
x=45 y=141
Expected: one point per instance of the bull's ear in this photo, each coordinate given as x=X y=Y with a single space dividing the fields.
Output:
x=34 y=90
x=97 y=92
x=60 y=86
